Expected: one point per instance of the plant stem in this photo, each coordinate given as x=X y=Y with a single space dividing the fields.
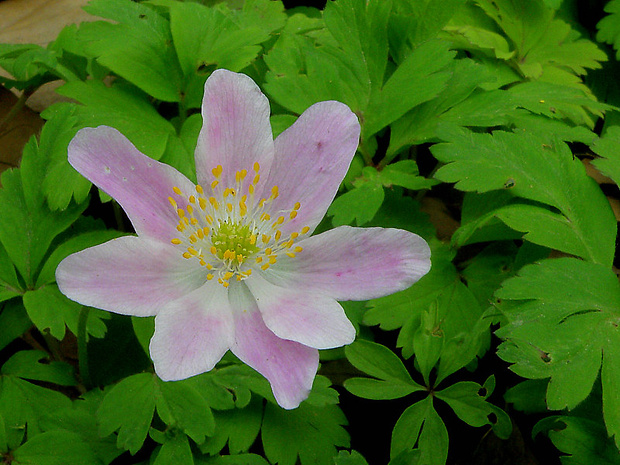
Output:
x=21 y=101
x=82 y=347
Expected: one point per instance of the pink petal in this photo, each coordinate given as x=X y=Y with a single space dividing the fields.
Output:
x=129 y=275
x=139 y=184
x=312 y=158
x=236 y=131
x=192 y=333
x=289 y=366
x=312 y=319
x=357 y=263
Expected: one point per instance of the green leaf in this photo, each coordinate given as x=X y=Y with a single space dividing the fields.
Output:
x=421 y=427
x=51 y=310
x=23 y=405
x=350 y=458
x=469 y=401
x=175 y=450
x=462 y=102
x=609 y=26
x=55 y=448
x=308 y=432
x=62 y=183
x=27 y=364
x=458 y=311
x=412 y=23
x=150 y=63
x=27 y=226
x=128 y=407
x=14 y=322
x=527 y=166
x=528 y=396
x=428 y=341
x=393 y=379
x=584 y=440
x=208 y=38
x=564 y=326
x=238 y=428
x=241 y=459
x=122 y=107
x=360 y=204
x=607 y=148
x=180 y=405
x=558 y=102
x=419 y=78
x=9 y=284
x=80 y=419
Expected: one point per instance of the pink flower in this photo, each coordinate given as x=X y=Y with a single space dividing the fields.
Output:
x=229 y=263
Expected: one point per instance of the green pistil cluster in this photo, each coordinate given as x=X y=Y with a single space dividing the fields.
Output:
x=229 y=231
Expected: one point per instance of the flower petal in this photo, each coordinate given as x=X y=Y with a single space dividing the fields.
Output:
x=289 y=366
x=236 y=131
x=357 y=263
x=129 y=275
x=312 y=158
x=192 y=333
x=314 y=320
x=140 y=184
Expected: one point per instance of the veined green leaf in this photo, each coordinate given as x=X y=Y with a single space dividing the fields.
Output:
x=421 y=427
x=564 y=326
x=537 y=169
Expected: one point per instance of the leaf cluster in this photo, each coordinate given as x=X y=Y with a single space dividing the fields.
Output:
x=482 y=107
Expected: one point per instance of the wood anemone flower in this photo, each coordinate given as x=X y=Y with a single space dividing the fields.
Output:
x=230 y=263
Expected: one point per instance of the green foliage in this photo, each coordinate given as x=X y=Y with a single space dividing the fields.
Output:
x=475 y=116
x=574 y=338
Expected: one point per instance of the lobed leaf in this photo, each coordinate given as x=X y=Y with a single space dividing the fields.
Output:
x=564 y=326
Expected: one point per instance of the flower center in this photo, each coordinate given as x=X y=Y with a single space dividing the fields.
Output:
x=229 y=232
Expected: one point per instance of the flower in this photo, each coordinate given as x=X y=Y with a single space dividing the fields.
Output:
x=229 y=263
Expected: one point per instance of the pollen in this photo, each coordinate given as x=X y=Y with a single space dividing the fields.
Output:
x=234 y=226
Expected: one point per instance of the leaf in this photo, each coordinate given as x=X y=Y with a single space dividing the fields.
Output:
x=421 y=427
x=9 y=284
x=208 y=38
x=393 y=379
x=527 y=166
x=27 y=364
x=62 y=183
x=607 y=148
x=584 y=440
x=80 y=419
x=51 y=310
x=458 y=311
x=360 y=204
x=180 y=405
x=128 y=407
x=558 y=102
x=55 y=448
x=462 y=102
x=122 y=107
x=419 y=78
x=350 y=458
x=27 y=226
x=308 y=432
x=14 y=322
x=238 y=428
x=412 y=23
x=175 y=450
x=528 y=396
x=564 y=326
x=609 y=26
x=23 y=405
x=150 y=63
x=241 y=459
x=469 y=401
